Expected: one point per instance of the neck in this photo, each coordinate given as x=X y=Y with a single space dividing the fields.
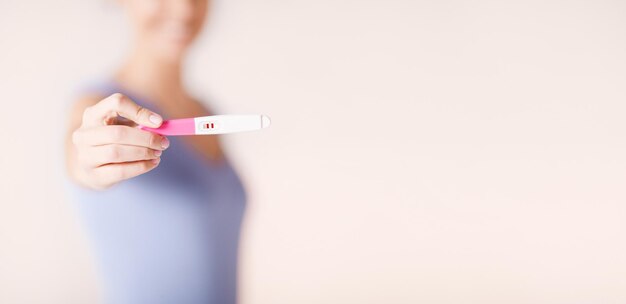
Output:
x=157 y=78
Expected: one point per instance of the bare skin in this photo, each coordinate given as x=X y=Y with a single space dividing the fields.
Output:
x=103 y=150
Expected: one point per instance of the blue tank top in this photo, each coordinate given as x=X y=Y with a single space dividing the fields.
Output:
x=170 y=235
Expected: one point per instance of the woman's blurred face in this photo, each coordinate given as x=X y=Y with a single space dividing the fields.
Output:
x=166 y=27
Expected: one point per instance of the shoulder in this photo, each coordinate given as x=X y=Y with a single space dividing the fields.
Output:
x=195 y=107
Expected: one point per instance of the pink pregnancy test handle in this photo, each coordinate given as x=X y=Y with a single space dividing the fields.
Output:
x=174 y=127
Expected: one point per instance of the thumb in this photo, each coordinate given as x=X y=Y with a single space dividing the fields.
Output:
x=120 y=105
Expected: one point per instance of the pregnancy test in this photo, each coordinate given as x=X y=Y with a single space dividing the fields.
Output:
x=210 y=125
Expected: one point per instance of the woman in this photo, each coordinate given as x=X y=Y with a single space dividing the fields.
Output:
x=164 y=214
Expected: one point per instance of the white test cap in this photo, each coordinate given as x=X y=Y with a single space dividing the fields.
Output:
x=265 y=121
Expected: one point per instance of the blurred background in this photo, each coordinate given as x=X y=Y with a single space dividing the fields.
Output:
x=421 y=151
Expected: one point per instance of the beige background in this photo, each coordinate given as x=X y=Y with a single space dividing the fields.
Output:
x=421 y=151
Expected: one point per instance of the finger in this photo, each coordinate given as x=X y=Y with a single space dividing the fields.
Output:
x=114 y=173
x=119 y=120
x=120 y=105
x=122 y=135
x=108 y=154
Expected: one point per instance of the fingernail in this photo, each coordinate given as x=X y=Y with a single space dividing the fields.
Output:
x=165 y=143
x=157 y=153
x=156 y=161
x=156 y=119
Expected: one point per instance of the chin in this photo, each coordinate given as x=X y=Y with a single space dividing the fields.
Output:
x=174 y=49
